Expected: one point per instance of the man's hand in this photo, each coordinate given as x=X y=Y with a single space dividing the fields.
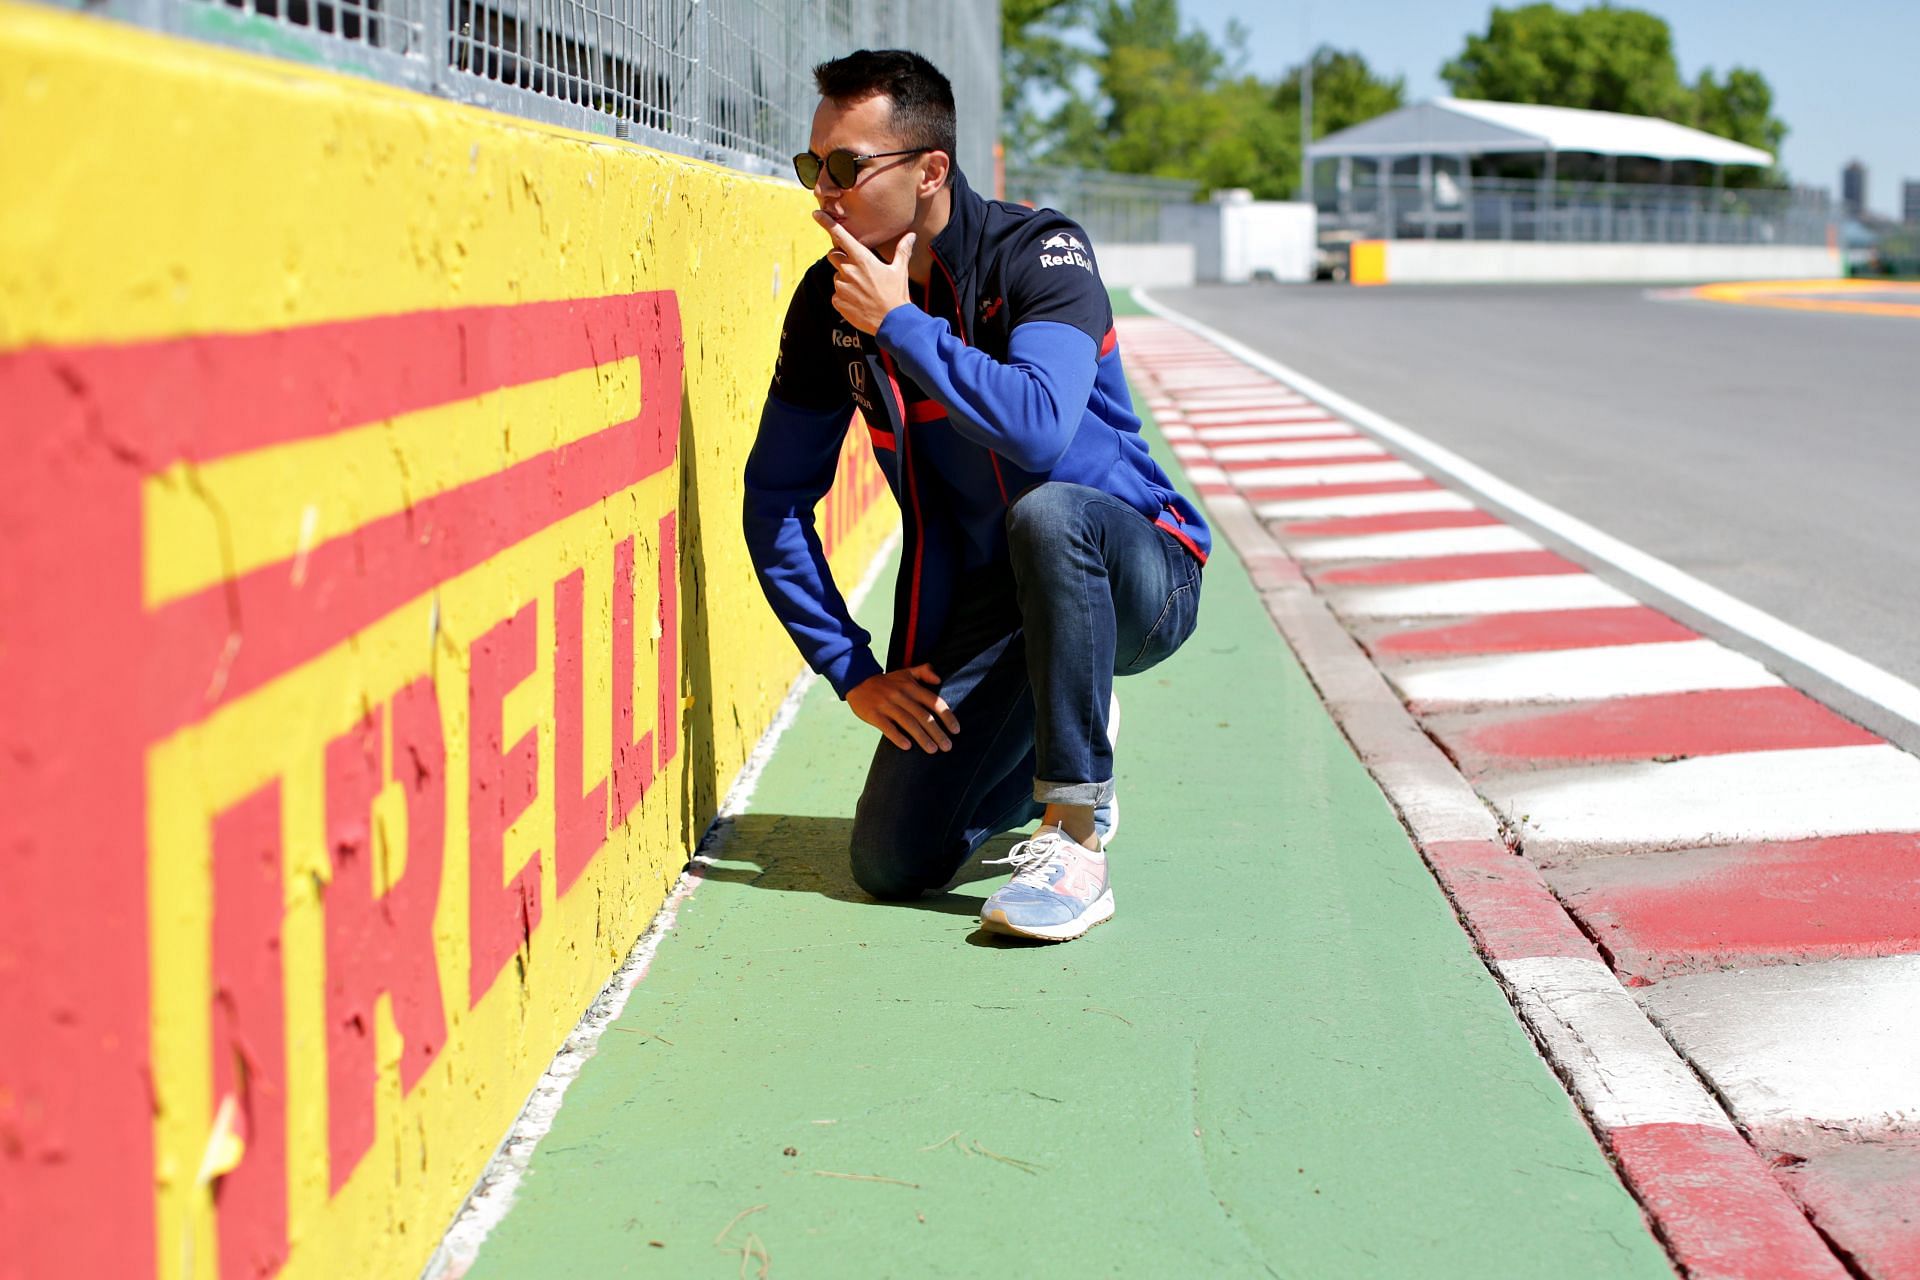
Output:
x=865 y=288
x=903 y=706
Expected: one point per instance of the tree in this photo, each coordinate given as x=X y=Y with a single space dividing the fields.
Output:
x=1612 y=59
x=1038 y=62
x=1168 y=102
x=1602 y=59
x=1346 y=92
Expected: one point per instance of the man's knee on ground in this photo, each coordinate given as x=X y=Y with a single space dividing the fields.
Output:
x=886 y=866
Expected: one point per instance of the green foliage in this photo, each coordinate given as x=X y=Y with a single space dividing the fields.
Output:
x=1603 y=59
x=1037 y=54
x=1150 y=96
x=1612 y=59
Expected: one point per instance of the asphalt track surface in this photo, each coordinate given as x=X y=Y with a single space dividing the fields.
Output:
x=1773 y=454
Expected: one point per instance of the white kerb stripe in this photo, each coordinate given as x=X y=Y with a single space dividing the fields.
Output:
x=1414 y=544
x=1286 y=450
x=1268 y=412
x=1272 y=397
x=1364 y=504
x=1480 y=595
x=1830 y=1043
x=1712 y=800
x=1334 y=473
x=1206 y=475
x=1187 y=451
x=1845 y=669
x=1173 y=433
x=1569 y=675
x=1278 y=431
x=1620 y=1068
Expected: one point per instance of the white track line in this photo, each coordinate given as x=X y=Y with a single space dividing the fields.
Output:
x=1336 y=473
x=1854 y=674
x=1354 y=446
x=1709 y=800
x=1364 y=504
x=1479 y=595
x=1414 y=544
x=1835 y=1043
x=1570 y=675
x=1620 y=1067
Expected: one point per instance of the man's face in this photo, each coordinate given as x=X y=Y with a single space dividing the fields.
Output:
x=880 y=206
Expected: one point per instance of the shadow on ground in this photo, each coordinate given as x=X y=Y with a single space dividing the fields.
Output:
x=791 y=853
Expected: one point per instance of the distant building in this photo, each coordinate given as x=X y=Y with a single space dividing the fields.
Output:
x=1853 y=188
x=1910 y=203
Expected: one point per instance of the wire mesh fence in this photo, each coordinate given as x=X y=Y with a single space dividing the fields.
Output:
x=725 y=80
x=1114 y=208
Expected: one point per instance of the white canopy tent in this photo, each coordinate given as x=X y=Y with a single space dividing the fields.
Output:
x=1424 y=179
x=1459 y=126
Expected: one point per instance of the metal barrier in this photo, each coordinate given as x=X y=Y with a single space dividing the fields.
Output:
x=725 y=80
x=1456 y=207
x=1114 y=208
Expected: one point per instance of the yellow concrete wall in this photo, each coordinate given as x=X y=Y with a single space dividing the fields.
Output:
x=373 y=519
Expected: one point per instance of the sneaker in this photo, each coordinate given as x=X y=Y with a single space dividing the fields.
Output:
x=1106 y=817
x=1059 y=889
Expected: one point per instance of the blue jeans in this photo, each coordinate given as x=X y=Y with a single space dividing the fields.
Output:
x=1027 y=662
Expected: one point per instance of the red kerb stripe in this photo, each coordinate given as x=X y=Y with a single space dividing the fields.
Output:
x=1487 y=564
x=1399 y=522
x=1538 y=632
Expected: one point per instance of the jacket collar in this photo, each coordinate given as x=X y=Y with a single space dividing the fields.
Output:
x=954 y=246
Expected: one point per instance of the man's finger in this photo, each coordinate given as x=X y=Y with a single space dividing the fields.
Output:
x=903 y=251
x=924 y=673
x=923 y=725
x=945 y=712
x=933 y=704
x=843 y=240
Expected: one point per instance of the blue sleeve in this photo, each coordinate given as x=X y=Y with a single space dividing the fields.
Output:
x=789 y=470
x=1026 y=410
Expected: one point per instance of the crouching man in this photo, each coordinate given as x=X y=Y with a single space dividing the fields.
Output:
x=1045 y=552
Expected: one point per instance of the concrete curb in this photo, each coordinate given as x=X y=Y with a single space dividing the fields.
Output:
x=1708 y=1195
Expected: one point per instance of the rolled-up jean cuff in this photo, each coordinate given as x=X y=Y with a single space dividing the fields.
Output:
x=1080 y=793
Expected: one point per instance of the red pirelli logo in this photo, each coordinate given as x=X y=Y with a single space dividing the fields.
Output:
x=335 y=658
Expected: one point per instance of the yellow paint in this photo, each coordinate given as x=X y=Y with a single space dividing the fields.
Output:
x=1814 y=295
x=1367 y=262
x=277 y=503
x=156 y=189
x=281 y=731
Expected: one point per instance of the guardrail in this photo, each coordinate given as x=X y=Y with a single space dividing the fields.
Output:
x=1453 y=207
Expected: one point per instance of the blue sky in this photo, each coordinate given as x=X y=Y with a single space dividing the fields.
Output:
x=1845 y=76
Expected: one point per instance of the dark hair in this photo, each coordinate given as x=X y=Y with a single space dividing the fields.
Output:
x=922 y=98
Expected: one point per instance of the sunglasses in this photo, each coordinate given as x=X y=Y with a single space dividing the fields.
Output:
x=842 y=165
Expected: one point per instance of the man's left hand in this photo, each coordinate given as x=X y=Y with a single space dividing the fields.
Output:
x=864 y=287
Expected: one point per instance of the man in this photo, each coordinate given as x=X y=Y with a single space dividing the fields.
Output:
x=1044 y=552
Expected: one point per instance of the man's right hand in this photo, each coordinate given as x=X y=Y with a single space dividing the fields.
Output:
x=903 y=706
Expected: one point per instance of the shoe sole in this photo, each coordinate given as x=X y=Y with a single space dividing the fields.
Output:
x=1099 y=912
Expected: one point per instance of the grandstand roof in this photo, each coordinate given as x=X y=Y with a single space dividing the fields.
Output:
x=1455 y=126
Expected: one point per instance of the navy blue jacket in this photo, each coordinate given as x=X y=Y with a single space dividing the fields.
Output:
x=1006 y=375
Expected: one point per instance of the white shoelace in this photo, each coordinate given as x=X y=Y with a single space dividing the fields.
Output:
x=1032 y=857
